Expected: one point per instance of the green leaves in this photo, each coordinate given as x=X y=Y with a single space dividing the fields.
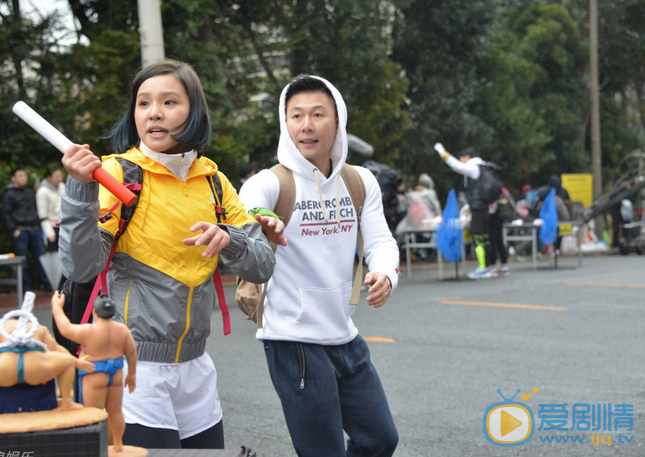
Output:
x=507 y=77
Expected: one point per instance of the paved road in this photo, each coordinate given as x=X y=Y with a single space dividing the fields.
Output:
x=576 y=334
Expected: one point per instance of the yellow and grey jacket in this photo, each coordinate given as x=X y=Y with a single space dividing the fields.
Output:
x=163 y=288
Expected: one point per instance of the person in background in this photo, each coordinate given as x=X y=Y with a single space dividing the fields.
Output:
x=245 y=173
x=501 y=212
x=21 y=220
x=421 y=204
x=620 y=212
x=426 y=184
x=562 y=202
x=468 y=164
x=48 y=197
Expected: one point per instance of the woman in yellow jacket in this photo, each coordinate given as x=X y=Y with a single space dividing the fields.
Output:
x=160 y=276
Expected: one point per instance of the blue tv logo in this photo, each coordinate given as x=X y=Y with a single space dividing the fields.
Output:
x=509 y=423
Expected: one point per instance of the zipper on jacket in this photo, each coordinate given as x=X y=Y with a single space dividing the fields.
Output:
x=300 y=351
x=181 y=338
x=127 y=302
x=191 y=282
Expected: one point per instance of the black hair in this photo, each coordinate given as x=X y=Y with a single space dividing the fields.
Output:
x=197 y=134
x=245 y=170
x=467 y=152
x=16 y=170
x=104 y=307
x=51 y=170
x=307 y=83
x=554 y=181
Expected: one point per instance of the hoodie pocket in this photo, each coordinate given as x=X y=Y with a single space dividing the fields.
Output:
x=324 y=313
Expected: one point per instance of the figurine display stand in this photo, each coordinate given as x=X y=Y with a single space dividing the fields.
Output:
x=56 y=433
x=42 y=425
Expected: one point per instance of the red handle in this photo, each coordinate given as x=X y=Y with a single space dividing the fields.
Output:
x=113 y=185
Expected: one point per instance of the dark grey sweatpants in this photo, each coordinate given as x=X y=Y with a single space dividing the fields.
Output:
x=327 y=389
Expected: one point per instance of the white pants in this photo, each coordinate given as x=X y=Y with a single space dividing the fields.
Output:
x=176 y=396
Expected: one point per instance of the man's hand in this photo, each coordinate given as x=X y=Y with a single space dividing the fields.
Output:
x=80 y=162
x=213 y=237
x=380 y=289
x=442 y=152
x=273 y=228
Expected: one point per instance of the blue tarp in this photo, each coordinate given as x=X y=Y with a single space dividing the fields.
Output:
x=549 y=214
x=449 y=237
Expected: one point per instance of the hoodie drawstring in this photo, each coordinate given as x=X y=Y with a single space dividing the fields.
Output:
x=322 y=203
x=338 y=199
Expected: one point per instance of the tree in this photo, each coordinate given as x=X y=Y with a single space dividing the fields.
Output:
x=438 y=44
x=348 y=43
x=622 y=78
x=27 y=47
x=535 y=99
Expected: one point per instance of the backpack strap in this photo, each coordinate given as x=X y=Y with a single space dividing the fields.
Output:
x=357 y=192
x=287 y=200
x=133 y=180
x=287 y=196
x=220 y=213
x=283 y=209
x=218 y=195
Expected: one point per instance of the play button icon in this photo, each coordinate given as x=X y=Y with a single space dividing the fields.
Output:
x=507 y=423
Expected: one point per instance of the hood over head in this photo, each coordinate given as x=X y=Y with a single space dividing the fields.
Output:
x=554 y=182
x=290 y=156
x=426 y=180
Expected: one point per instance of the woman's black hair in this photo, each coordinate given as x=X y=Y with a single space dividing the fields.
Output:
x=51 y=170
x=104 y=307
x=197 y=133
x=307 y=83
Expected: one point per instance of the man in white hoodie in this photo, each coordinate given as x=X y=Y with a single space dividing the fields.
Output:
x=320 y=367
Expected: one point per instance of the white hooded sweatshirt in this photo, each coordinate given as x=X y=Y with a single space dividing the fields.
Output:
x=309 y=292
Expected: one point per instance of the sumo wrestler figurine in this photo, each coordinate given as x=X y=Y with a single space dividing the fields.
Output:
x=29 y=356
x=104 y=342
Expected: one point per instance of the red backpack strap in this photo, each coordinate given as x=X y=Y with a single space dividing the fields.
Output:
x=100 y=284
x=220 y=214
x=221 y=300
x=133 y=180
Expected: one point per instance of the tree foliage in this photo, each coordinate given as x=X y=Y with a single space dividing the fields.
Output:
x=535 y=101
x=507 y=77
x=439 y=45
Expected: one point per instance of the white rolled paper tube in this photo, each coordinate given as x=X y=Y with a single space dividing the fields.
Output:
x=60 y=142
x=40 y=125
